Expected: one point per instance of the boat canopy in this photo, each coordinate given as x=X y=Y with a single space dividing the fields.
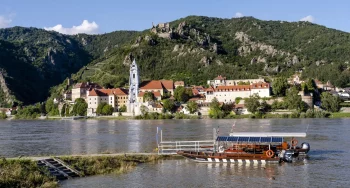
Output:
x=267 y=134
x=249 y=139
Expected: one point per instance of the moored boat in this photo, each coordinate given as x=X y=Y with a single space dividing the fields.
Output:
x=253 y=147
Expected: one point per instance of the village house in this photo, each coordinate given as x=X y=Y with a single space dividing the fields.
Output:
x=179 y=83
x=152 y=107
x=228 y=94
x=325 y=87
x=67 y=95
x=221 y=81
x=295 y=80
x=80 y=90
x=156 y=94
x=114 y=97
x=161 y=86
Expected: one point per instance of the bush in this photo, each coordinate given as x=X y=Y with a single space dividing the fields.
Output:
x=321 y=114
x=3 y=115
x=303 y=115
x=295 y=115
x=310 y=113
x=28 y=112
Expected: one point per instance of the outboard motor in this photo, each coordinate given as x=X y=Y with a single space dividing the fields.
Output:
x=305 y=146
x=288 y=156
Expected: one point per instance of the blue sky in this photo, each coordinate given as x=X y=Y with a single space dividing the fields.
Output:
x=110 y=15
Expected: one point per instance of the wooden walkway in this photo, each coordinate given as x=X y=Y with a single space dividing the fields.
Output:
x=58 y=168
x=37 y=158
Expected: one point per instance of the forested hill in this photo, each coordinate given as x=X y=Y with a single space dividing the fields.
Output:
x=195 y=49
x=33 y=60
x=192 y=49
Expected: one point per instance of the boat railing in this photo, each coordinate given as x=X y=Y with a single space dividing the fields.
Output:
x=172 y=147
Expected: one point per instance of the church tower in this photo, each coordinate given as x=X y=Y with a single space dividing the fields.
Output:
x=134 y=81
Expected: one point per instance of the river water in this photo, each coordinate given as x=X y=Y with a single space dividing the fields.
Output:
x=328 y=166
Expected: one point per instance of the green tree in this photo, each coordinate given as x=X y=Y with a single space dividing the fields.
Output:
x=148 y=96
x=63 y=111
x=182 y=94
x=238 y=99
x=192 y=106
x=100 y=108
x=168 y=105
x=122 y=109
x=279 y=86
x=329 y=102
x=252 y=103
x=264 y=107
x=293 y=100
x=227 y=108
x=215 y=109
x=144 y=110
x=107 y=110
x=80 y=107
x=3 y=115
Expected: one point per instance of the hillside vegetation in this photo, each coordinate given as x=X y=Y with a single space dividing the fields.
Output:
x=34 y=60
x=193 y=49
x=200 y=48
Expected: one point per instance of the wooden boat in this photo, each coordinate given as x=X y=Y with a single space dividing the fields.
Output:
x=252 y=148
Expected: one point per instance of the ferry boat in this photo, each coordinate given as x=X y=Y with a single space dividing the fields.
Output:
x=253 y=147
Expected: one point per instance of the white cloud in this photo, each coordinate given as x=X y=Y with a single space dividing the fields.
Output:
x=5 y=21
x=308 y=18
x=238 y=15
x=85 y=27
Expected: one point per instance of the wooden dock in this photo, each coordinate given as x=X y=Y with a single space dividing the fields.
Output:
x=58 y=168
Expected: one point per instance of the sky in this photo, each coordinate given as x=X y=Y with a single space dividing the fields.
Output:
x=103 y=16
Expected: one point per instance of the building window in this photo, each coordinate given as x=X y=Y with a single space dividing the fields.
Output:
x=111 y=98
x=95 y=102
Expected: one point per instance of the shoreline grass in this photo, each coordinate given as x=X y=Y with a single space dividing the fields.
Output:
x=336 y=115
x=26 y=173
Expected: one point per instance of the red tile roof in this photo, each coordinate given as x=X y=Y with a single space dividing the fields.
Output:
x=153 y=84
x=220 y=78
x=195 y=92
x=115 y=91
x=158 y=84
x=168 y=84
x=106 y=92
x=243 y=87
x=233 y=88
x=239 y=106
x=260 y=85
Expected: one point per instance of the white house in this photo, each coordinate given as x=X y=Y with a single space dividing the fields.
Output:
x=228 y=94
x=221 y=81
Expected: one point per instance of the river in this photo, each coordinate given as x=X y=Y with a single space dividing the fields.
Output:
x=328 y=165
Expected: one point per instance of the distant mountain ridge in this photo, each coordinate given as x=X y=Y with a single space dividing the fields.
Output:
x=193 y=49
x=50 y=57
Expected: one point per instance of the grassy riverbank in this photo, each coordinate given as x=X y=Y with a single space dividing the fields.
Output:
x=89 y=166
x=23 y=173
x=340 y=115
x=26 y=173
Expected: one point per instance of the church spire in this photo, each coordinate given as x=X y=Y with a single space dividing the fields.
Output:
x=134 y=82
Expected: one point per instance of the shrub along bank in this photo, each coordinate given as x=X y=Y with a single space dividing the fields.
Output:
x=26 y=173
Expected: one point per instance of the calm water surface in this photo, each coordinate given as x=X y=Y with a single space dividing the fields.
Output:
x=328 y=165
